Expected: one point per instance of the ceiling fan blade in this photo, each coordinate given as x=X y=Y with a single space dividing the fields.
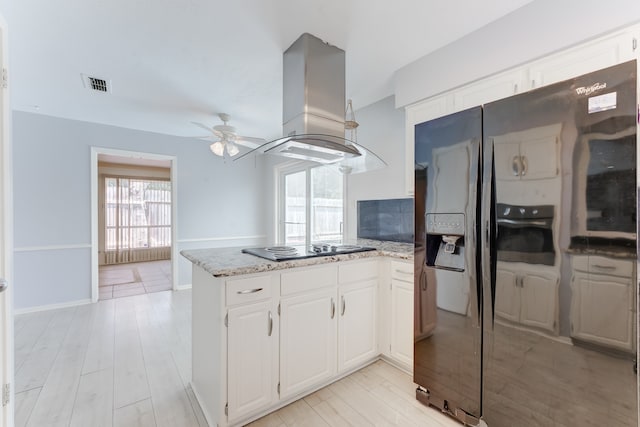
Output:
x=249 y=141
x=208 y=138
x=202 y=126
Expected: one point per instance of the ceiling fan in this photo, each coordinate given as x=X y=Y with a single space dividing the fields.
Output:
x=225 y=138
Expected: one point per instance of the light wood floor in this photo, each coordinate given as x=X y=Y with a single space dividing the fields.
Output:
x=127 y=362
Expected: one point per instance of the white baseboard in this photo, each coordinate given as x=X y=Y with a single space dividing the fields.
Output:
x=51 y=306
x=183 y=287
x=223 y=239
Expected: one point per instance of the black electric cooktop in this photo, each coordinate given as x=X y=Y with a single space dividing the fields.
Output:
x=284 y=253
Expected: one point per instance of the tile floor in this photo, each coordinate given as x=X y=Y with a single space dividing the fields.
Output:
x=123 y=280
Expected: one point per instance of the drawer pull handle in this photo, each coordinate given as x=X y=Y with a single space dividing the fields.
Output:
x=270 y=323
x=605 y=267
x=403 y=272
x=333 y=308
x=250 y=291
x=344 y=306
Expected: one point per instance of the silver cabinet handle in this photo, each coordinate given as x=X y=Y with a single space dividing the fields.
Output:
x=3 y=285
x=343 y=306
x=525 y=165
x=333 y=308
x=403 y=272
x=515 y=166
x=250 y=291
x=423 y=280
x=605 y=267
x=270 y=323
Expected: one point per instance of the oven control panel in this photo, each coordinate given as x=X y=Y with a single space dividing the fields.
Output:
x=445 y=223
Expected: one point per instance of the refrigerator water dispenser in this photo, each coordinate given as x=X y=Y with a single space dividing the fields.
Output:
x=445 y=240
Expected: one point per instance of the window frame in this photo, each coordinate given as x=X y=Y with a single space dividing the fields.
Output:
x=103 y=179
x=293 y=167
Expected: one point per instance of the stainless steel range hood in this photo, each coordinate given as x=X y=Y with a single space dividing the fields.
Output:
x=314 y=109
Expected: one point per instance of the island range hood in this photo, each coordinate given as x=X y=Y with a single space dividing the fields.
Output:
x=314 y=109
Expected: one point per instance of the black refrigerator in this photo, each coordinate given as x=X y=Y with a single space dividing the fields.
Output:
x=526 y=257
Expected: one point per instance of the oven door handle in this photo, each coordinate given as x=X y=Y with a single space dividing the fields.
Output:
x=525 y=222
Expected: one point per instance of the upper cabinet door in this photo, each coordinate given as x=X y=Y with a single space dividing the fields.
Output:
x=489 y=89
x=593 y=56
x=539 y=157
x=507 y=160
x=527 y=155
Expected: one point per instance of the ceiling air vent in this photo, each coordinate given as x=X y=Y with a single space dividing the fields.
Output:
x=96 y=83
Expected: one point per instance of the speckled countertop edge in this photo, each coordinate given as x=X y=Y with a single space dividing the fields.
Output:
x=225 y=262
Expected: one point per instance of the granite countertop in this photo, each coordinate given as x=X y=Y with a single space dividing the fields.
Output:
x=624 y=248
x=224 y=262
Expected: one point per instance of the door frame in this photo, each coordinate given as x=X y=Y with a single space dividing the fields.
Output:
x=95 y=152
x=6 y=235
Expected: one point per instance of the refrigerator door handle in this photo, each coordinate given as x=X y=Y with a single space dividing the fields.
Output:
x=489 y=235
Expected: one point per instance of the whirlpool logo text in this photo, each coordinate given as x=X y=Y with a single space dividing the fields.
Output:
x=588 y=90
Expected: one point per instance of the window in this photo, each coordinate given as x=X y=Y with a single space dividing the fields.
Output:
x=311 y=204
x=137 y=214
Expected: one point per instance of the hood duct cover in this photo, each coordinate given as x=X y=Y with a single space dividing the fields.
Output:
x=314 y=109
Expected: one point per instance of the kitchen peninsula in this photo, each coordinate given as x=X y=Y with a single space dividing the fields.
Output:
x=266 y=333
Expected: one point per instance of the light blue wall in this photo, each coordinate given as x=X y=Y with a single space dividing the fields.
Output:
x=219 y=204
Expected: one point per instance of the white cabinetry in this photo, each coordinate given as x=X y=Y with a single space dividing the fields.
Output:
x=490 y=89
x=527 y=296
x=416 y=114
x=357 y=329
x=402 y=302
x=600 y=53
x=603 y=301
x=528 y=155
x=263 y=340
x=252 y=340
x=307 y=329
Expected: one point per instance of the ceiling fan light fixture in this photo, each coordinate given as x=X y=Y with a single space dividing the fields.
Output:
x=232 y=148
x=217 y=148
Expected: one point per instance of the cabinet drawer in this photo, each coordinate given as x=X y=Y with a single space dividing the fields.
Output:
x=402 y=271
x=602 y=265
x=250 y=289
x=307 y=279
x=357 y=271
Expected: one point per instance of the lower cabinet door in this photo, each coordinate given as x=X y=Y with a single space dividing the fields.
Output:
x=603 y=310
x=402 y=322
x=252 y=354
x=308 y=327
x=357 y=324
x=507 y=298
x=539 y=300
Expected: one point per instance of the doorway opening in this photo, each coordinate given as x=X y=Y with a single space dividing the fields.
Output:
x=133 y=223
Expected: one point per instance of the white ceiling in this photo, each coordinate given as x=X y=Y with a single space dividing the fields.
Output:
x=175 y=61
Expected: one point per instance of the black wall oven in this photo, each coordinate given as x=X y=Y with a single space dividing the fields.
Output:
x=525 y=234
